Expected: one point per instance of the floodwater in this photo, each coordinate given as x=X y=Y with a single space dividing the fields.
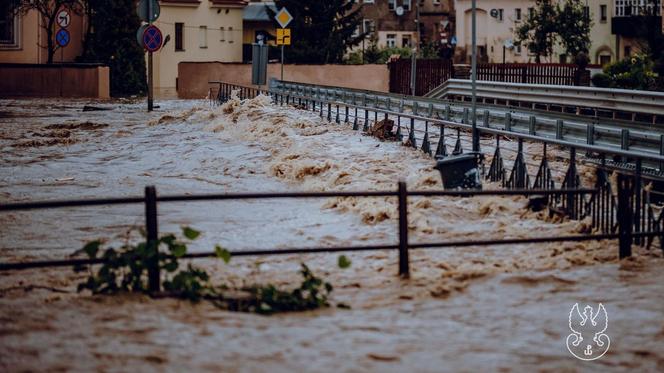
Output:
x=499 y=308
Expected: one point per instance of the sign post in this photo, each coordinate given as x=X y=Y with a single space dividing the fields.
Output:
x=148 y=11
x=62 y=37
x=283 y=33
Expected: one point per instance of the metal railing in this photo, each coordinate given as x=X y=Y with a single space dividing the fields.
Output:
x=597 y=100
x=151 y=199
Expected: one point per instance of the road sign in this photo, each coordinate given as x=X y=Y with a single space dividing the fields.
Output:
x=283 y=17
x=142 y=10
x=62 y=37
x=152 y=38
x=139 y=34
x=63 y=19
x=283 y=36
x=259 y=64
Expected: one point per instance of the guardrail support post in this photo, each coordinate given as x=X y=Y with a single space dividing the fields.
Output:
x=404 y=266
x=151 y=229
x=508 y=121
x=485 y=118
x=625 y=190
x=559 y=129
x=531 y=125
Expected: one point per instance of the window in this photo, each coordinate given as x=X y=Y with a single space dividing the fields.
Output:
x=518 y=49
x=405 y=41
x=406 y=5
x=517 y=14
x=603 y=60
x=8 y=28
x=391 y=4
x=436 y=2
x=628 y=51
x=602 y=13
x=391 y=40
x=179 y=36
x=368 y=25
x=202 y=37
x=230 y=35
x=222 y=32
x=563 y=58
x=531 y=12
x=586 y=12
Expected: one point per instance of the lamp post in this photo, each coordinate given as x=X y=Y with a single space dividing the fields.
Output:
x=413 y=61
x=476 y=135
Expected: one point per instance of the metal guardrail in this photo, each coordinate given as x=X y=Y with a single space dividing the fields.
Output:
x=620 y=135
x=597 y=99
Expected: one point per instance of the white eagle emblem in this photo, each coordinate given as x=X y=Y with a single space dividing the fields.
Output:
x=588 y=341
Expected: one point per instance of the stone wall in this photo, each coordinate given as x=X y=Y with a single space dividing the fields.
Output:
x=57 y=80
x=193 y=77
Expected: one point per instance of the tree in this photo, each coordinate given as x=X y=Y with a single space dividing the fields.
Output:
x=538 y=31
x=573 y=27
x=113 y=43
x=48 y=11
x=322 y=30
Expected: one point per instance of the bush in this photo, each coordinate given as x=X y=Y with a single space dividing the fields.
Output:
x=601 y=80
x=635 y=72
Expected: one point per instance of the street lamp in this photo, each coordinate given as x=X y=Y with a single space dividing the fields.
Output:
x=476 y=135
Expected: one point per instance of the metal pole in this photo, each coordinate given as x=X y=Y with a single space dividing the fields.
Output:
x=282 y=62
x=152 y=237
x=413 y=62
x=150 y=79
x=476 y=135
x=404 y=267
x=624 y=214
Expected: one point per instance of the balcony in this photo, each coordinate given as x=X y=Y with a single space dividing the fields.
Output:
x=631 y=26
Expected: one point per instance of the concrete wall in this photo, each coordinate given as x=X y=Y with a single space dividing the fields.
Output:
x=194 y=77
x=68 y=80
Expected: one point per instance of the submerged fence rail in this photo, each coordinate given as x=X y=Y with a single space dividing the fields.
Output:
x=150 y=200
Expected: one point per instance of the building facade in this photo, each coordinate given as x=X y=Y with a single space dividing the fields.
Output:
x=198 y=31
x=23 y=37
x=497 y=21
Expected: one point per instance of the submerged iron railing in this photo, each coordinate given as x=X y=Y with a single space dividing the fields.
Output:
x=361 y=116
x=587 y=198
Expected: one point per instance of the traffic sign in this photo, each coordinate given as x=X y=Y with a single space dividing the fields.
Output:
x=62 y=37
x=152 y=38
x=142 y=10
x=283 y=36
x=63 y=19
x=139 y=34
x=283 y=17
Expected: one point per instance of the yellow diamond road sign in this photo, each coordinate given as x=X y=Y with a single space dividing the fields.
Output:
x=284 y=18
x=283 y=36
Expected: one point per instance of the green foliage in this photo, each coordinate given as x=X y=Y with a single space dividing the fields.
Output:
x=375 y=55
x=343 y=261
x=126 y=269
x=323 y=30
x=111 y=40
x=553 y=22
x=313 y=293
x=634 y=72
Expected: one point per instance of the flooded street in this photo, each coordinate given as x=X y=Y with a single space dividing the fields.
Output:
x=496 y=308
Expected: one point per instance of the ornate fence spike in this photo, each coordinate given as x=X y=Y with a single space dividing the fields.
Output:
x=458 y=149
x=426 y=146
x=543 y=179
x=441 y=148
x=411 y=134
x=519 y=178
x=497 y=168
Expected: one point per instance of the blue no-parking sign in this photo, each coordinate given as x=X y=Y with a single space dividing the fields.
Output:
x=152 y=38
x=62 y=37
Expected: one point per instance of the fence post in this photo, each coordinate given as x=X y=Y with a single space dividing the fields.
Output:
x=625 y=189
x=151 y=229
x=404 y=266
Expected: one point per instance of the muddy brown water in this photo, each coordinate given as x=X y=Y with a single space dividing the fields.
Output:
x=472 y=309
